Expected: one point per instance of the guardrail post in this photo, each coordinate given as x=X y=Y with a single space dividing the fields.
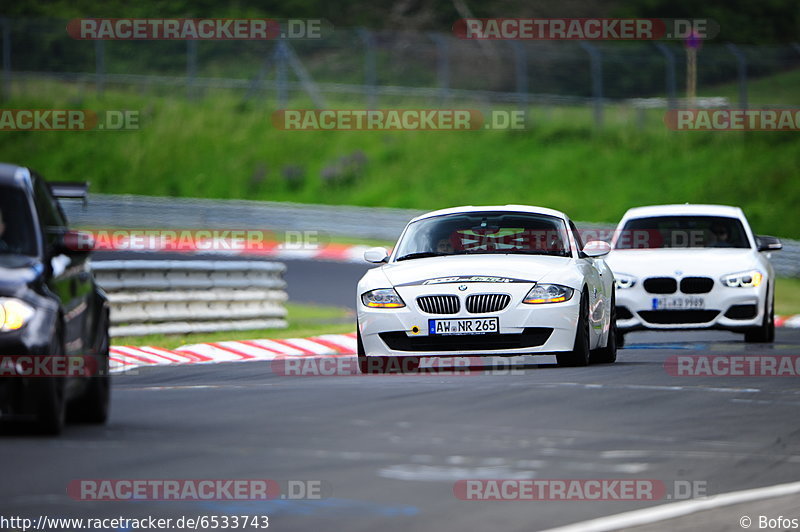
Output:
x=100 y=65
x=281 y=87
x=520 y=73
x=671 y=81
x=370 y=71
x=302 y=74
x=442 y=65
x=741 y=70
x=596 y=59
x=6 y=28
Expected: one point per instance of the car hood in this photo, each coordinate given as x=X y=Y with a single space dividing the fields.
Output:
x=689 y=262
x=514 y=267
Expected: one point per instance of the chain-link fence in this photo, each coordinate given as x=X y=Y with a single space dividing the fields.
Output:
x=384 y=68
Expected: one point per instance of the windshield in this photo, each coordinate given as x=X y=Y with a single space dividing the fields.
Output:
x=484 y=233
x=682 y=232
x=16 y=224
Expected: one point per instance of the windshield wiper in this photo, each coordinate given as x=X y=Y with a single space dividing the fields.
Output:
x=422 y=255
x=549 y=253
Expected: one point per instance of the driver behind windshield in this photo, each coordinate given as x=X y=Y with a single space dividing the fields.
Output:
x=14 y=227
x=721 y=235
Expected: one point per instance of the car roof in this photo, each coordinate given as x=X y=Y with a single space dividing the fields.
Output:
x=495 y=208
x=684 y=209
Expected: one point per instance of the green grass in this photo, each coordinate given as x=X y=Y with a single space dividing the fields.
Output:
x=304 y=321
x=787 y=297
x=781 y=89
x=223 y=147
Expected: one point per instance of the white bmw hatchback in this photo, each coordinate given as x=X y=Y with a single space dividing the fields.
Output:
x=693 y=267
x=502 y=280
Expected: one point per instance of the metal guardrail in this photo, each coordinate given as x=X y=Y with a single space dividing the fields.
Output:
x=178 y=297
x=127 y=211
x=112 y=211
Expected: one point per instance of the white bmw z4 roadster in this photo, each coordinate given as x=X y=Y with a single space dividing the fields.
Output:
x=487 y=281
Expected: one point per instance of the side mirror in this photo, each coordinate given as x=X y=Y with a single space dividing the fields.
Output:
x=376 y=255
x=73 y=243
x=596 y=248
x=768 y=243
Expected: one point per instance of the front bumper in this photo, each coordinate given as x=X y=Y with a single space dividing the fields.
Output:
x=523 y=328
x=725 y=308
x=19 y=394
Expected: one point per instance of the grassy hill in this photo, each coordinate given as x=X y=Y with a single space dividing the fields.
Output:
x=224 y=147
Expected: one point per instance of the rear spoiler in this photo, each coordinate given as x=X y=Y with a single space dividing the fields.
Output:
x=70 y=189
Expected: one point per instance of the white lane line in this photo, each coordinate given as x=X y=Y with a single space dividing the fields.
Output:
x=438 y=473
x=621 y=454
x=673 y=510
x=653 y=387
x=633 y=468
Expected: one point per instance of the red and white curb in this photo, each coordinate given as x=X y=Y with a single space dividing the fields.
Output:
x=792 y=322
x=124 y=358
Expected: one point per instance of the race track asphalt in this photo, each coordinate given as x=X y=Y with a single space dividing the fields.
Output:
x=389 y=449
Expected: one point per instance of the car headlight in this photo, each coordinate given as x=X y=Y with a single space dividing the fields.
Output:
x=548 y=293
x=748 y=279
x=14 y=314
x=623 y=280
x=382 y=298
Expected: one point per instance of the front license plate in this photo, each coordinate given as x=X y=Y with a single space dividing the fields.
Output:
x=679 y=303
x=464 y=326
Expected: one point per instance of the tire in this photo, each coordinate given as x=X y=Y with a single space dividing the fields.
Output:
x=608 y=354
x=620 y=339
x=51 y=408
x=579 y=356
x=93 y=405
x=765 y=333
